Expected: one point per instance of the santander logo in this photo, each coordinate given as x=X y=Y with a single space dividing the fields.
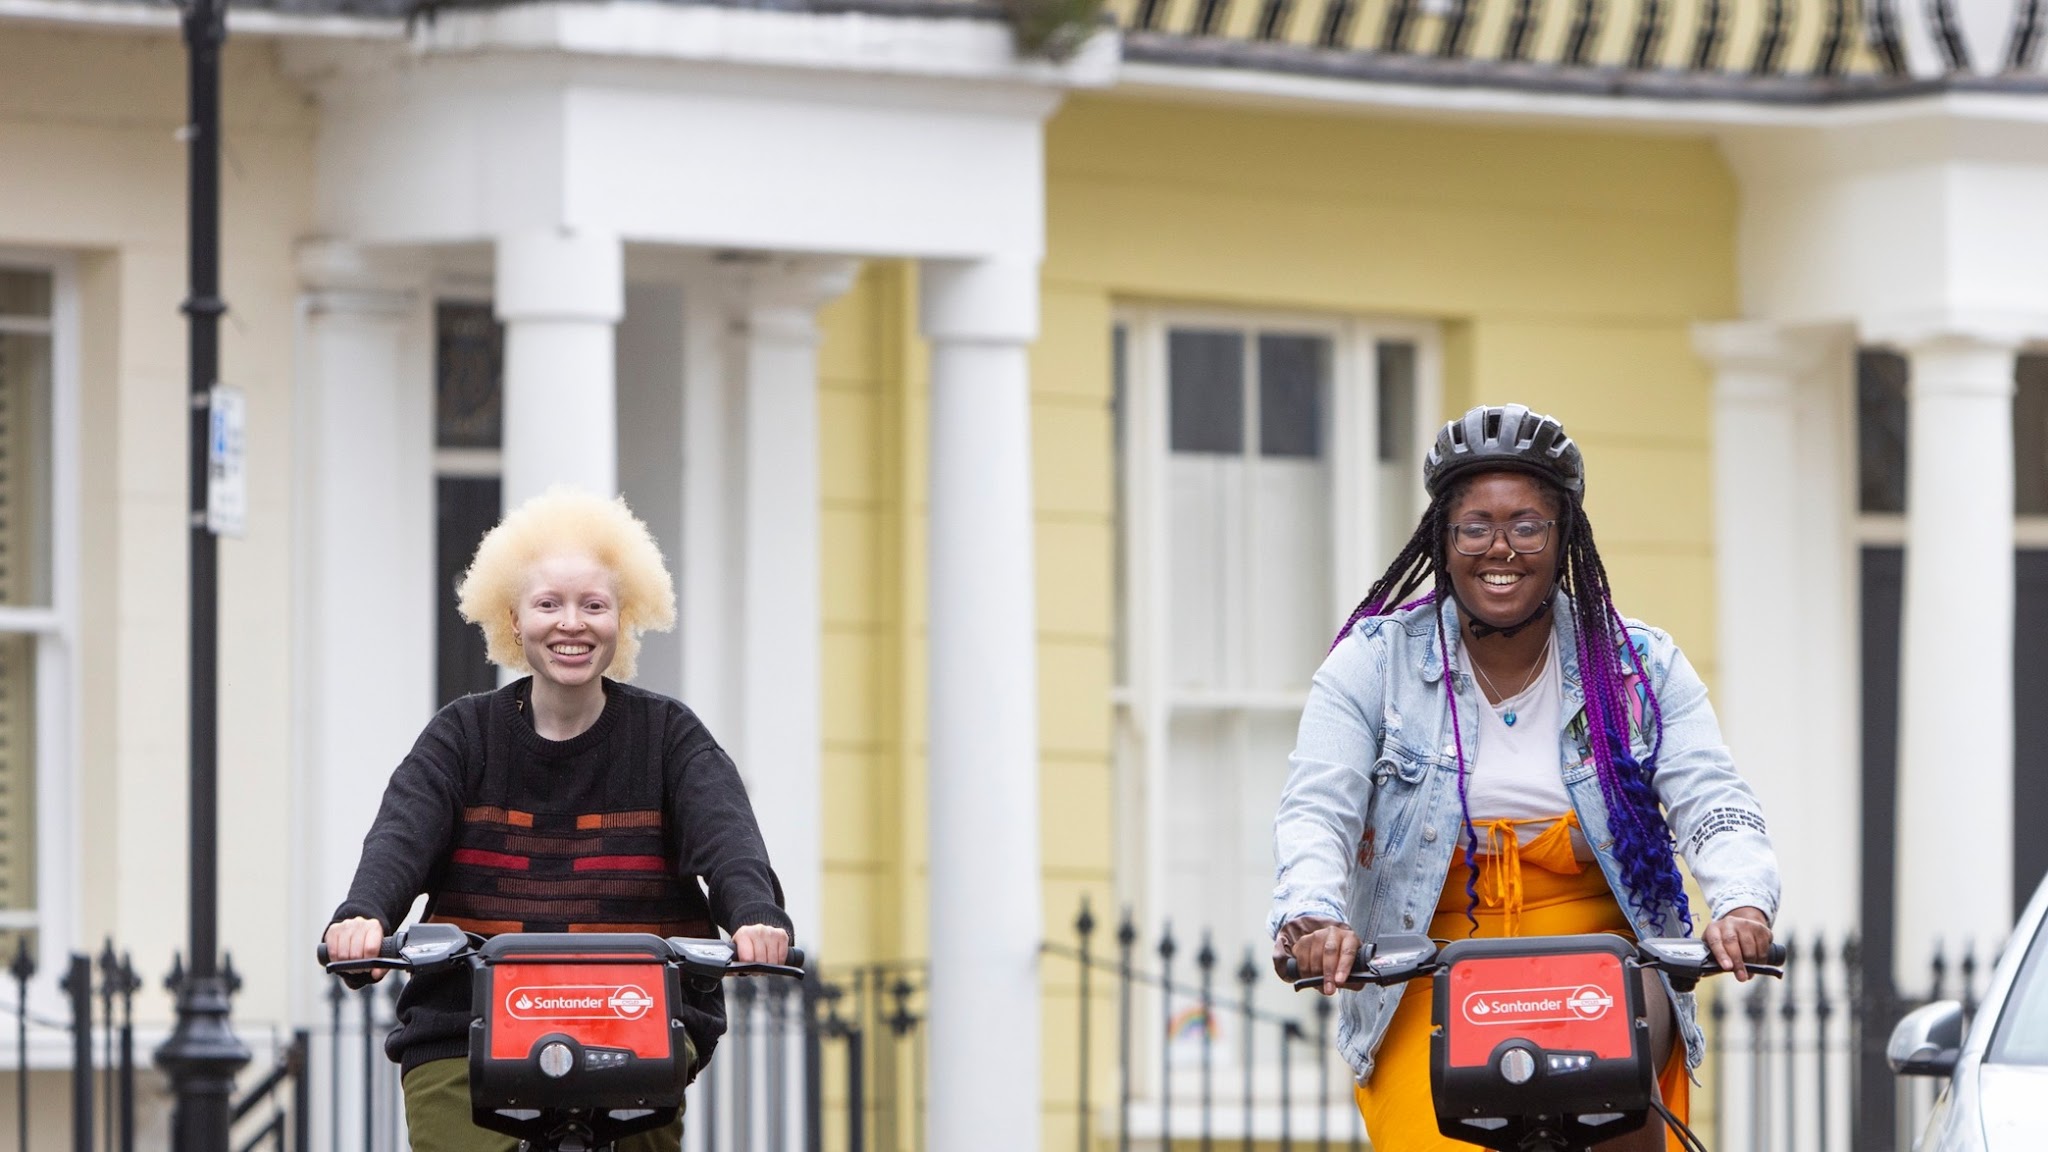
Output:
x=1537 y=1005
x=578 y=1002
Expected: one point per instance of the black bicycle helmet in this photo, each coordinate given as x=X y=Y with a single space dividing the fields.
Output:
x=1507 y=436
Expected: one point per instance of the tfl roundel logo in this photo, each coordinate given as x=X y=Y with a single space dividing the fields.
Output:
x=630 y=1002
x=1590 y=1002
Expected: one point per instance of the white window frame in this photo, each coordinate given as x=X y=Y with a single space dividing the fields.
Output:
x=58 y=682
x=1144 y=699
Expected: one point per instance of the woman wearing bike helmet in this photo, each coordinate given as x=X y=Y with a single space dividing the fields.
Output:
x=567 y=800
x=1491 y=749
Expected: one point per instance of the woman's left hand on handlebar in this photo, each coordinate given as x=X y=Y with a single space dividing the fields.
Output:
x=1744 y=934
x=760 y=944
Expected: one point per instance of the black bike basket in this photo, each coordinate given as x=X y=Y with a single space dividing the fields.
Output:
x=1539 y=1036
x=576 y=1025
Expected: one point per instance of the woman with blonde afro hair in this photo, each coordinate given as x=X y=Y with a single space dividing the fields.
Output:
x=564 y=801
x=564 y=520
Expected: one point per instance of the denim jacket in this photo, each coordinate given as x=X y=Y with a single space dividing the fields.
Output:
x=1370 y=816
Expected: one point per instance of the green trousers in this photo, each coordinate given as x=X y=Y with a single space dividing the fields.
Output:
x=437 y=1115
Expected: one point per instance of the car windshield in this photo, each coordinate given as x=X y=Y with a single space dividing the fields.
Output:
x=2022 y=1035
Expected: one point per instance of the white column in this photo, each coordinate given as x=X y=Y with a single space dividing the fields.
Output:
x=712 y=573
x=363 y=535
x=774 y=342
x=560 y=295
x=1954 y=848
x=1780 y=526
x=985 y=887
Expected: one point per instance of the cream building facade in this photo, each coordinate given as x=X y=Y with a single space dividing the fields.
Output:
x=1019 y=429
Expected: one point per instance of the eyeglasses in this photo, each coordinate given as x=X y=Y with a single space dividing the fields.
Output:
x=1525 y=537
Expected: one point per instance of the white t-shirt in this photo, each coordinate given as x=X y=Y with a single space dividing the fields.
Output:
x=1517 y=772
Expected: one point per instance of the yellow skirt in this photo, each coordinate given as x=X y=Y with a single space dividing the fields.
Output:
x=1399 y=1115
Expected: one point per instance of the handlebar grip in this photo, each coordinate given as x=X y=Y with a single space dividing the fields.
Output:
x=320 y=951
x=795 y=959
x=1775 y=957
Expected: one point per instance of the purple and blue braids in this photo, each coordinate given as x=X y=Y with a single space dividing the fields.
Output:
x=1611 y=672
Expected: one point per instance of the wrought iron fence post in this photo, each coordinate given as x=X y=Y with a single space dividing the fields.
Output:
x=778 y=1057
x=837 y=1028
x=1788 y=1011
x=22 y=969
x=1823 y=1008
x=130 y=984
x=109 y=1071
x=1516 y=46
x=743 y=1066
x=903 y=1024
x=814 y=1063
x=77 y=984
x=1206 y=961
x=1084 y=929
x=368 y=999
x=302 y=1091
x=1166 y=950
x=1323 y=1073
x=1247 y=976
x=335 y=996
x=1126 y=940
x=1754 y=1007
x=1969 y=975
x=2026 y=37
x=1707 y=40
x=1290 y=1031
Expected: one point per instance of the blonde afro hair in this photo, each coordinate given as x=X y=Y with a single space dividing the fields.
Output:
x=567 y=521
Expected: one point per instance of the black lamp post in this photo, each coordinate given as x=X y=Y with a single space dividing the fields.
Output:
x=202 y=1055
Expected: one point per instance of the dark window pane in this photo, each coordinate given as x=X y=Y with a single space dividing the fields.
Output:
x=1396 y=401
x=1292 y=373
x=467 y=507
x=469 y=376
x=1205 y=388
x=1881 y=431
x=2030 y=438
x=24 y=292
x=1882 y=576
x=2030 y=724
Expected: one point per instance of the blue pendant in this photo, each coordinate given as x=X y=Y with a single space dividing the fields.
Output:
x=1508 y=718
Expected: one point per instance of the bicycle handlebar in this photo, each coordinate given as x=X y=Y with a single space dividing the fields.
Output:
x=1390 y=960
x=441 y=945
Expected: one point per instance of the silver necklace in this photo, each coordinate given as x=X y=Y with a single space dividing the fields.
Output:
x=1508 y=716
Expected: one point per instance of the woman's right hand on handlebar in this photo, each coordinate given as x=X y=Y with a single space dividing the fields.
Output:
x=1320 y=947
x=358 y=938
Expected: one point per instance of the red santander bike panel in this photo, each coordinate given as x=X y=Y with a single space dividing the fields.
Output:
x=1572 y=1002
x=615 y=1006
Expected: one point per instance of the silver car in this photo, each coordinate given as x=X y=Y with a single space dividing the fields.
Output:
x=1997 y=1068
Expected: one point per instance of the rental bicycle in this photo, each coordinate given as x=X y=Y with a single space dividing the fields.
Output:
x=574 y=1042
x=1540 y=1043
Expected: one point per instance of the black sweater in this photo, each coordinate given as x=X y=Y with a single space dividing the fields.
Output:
x=609 y=831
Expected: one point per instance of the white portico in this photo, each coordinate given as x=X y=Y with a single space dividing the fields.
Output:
x=726 y=168
x=1889 y=228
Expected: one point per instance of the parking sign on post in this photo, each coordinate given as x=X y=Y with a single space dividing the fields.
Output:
x=227 y=482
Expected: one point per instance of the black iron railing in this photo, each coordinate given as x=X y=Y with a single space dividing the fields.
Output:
x=1176 y=1075
x=99 y=992
x=1791 y=51
x=1797 y=1063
